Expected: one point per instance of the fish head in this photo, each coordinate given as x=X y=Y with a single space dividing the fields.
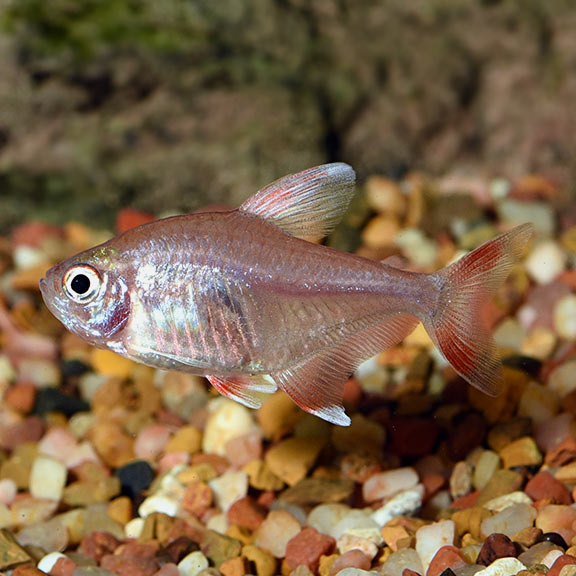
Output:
x=89 y=294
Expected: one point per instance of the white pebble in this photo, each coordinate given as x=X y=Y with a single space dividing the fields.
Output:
x=400 y=560
x=218 y=523
x=192 y=564
x=565 y=317
x=358 y=523
x=159 y=503
x=419 y=249
x=325 y=516
x=48 y=562
x=47 y=478
x=545 y=262
x=384 y=484
x=405 y=503
x=561 y=379
x=540 y=214
x=502 y=502
x=26 y=257
x=551 y=557
x=227 y=420
x=228 y=488
x=372 y=376
x=509 y=521
x=133 y=528
x=274 y=533
x=509 y=334
x=430 y=538
x=502 y=567
x=42 y=373
x=349 y=542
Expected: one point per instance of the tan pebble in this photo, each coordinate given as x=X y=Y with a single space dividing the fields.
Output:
x=186 y=439
x=278 y=416
x=503 y=406
x=29 y=278
x=264 y=561
x=565 y=317
x=521 y=452
x=460 y=480
x=384 y=195
x=470 y=520
x=503 y=433
x=234 y=567
x=291 y=459
x=502 y=482
x=528 y=536
x=111 y=364
x=539 y=343
x=361 y=432
x=28 y=511
x=381 y=231
x=261 y=477
x=11 y=553
x=488 y=462
x=203 y=472
x=567 y=473
x=538 y=403
x=326 y=563
x=120 y=510
x=114 y=446
x=16 y=470
x=87 y=493
x=393 y=534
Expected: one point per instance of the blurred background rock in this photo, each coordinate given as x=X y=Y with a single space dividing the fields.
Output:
x=169 y=105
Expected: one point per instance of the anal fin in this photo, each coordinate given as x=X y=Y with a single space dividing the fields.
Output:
x=316 y=384
x=242 y=388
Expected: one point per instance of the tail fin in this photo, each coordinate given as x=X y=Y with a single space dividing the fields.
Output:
x=458 y=325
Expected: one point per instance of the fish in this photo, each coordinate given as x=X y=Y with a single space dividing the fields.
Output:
x=246 y=299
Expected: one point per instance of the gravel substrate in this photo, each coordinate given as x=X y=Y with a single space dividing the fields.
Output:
x=109 y=467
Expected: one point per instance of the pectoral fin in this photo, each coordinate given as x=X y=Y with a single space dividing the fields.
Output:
x=242 y=388
x=308 y=204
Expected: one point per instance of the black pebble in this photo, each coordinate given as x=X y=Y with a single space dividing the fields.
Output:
x=531 y=366
x=135 y=477
x=53 y=400
x=554 y=538
x=74 y=369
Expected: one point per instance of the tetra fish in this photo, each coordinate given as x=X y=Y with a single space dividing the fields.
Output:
x=243 y=298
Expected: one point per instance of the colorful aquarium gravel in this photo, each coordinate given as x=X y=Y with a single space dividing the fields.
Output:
x=110 y=467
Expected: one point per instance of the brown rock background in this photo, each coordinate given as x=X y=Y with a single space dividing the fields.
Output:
x=166 y=106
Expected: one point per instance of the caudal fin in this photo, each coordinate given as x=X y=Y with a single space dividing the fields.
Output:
x=458 y=325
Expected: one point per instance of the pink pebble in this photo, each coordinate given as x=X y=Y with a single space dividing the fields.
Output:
x=244 y=449
x=554 y=431
x=8 y=491
x=83 y=452
x=351 y=559
x=58 y=443
x=28 y=430
x=151 y=441
x=557 y=518
x=172 y=459
x=168 y=570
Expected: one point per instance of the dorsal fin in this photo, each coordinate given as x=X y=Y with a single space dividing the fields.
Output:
x=308 y=204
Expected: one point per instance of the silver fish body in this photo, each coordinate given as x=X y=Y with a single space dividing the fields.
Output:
x=243 y=299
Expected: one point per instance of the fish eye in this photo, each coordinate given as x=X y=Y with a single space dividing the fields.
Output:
x=82 y=283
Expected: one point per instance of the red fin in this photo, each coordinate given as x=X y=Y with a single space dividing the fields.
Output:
x=317 y=383
x=242 y=388
x=308 y=204
x=459 y=325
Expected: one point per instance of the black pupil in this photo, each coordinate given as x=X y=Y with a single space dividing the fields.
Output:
x=80 y=284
